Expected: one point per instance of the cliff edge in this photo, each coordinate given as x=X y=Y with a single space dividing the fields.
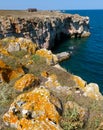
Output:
x=43 y=27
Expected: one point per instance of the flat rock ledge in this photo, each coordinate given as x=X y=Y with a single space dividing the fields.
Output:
x=43 y=27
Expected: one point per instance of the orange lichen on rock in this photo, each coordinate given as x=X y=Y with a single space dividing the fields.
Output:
x=4 y=52
x=2 y=64
x=35 y=111
x=52 y=81
x=17 y=44
x=79 y=81
x=44 y=74
x=92 y=90
x=16 y=73
x=7 y=73
x=51 y=58
x=27 y=44
x=5 y=70
x=26 y=81
x=10 y=119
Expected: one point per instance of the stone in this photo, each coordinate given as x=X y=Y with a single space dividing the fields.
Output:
x=7 y=73
x=45 y=74
x=18 y=44
x=79 y=82
x=4 y=72
x=35 y=111
x=13 y=47
x=28 y=80
x=52 y=82
x=16 y=73
x=92 y=90
x=4 y=52
x=50 y=57
x=43 y=28
x=63 y=56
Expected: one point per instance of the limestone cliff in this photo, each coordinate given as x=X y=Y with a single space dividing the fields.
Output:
x=43 y=27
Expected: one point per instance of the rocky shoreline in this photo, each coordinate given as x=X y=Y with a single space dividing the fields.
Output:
x=35 y=92
x=43 y=27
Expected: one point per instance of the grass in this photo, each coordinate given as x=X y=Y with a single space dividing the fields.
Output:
x=36 y=58
x=70 y=119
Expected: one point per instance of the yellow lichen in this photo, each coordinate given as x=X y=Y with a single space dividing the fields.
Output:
x=52 y=81
x=7 y=73
x=26 y=81
x=79 y=82
x=4 y=52
x=16 y=73
x=51 y=58
x=37 y=112
x=10 y=118
x=44 y=74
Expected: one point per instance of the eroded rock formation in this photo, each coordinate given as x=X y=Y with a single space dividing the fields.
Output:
x=44 y=28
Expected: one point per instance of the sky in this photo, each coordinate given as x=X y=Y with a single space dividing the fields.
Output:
x=51 y=4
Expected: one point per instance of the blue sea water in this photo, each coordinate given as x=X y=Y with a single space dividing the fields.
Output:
x=87 y=53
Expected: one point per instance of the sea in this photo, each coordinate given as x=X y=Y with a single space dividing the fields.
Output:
x=86 y=58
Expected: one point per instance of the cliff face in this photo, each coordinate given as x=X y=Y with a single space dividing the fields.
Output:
x=44 y=28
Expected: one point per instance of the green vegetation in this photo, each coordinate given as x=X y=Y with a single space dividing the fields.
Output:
x=35 y=58
x=70 y=120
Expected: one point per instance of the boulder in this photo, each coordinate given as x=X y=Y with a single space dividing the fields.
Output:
x=50 y=57
x=79 y=82
x=28 y=80
x=35 y=111
x=13 y=47
x=18 y=44
x=7 y=73
x=63 y=56
x=92 y=90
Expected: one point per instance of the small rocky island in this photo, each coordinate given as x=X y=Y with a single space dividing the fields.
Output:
x=35 y=92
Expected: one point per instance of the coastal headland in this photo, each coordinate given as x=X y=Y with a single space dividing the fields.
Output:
x=35 y=92
x=43 y=27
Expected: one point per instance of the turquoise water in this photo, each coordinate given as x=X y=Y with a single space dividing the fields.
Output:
x=87 y=53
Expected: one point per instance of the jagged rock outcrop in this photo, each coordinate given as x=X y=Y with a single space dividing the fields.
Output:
x=44 y=28
x=27 y=81
x=13 y=44
x=51 y=59
x=33 y=110
x=89 y=90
